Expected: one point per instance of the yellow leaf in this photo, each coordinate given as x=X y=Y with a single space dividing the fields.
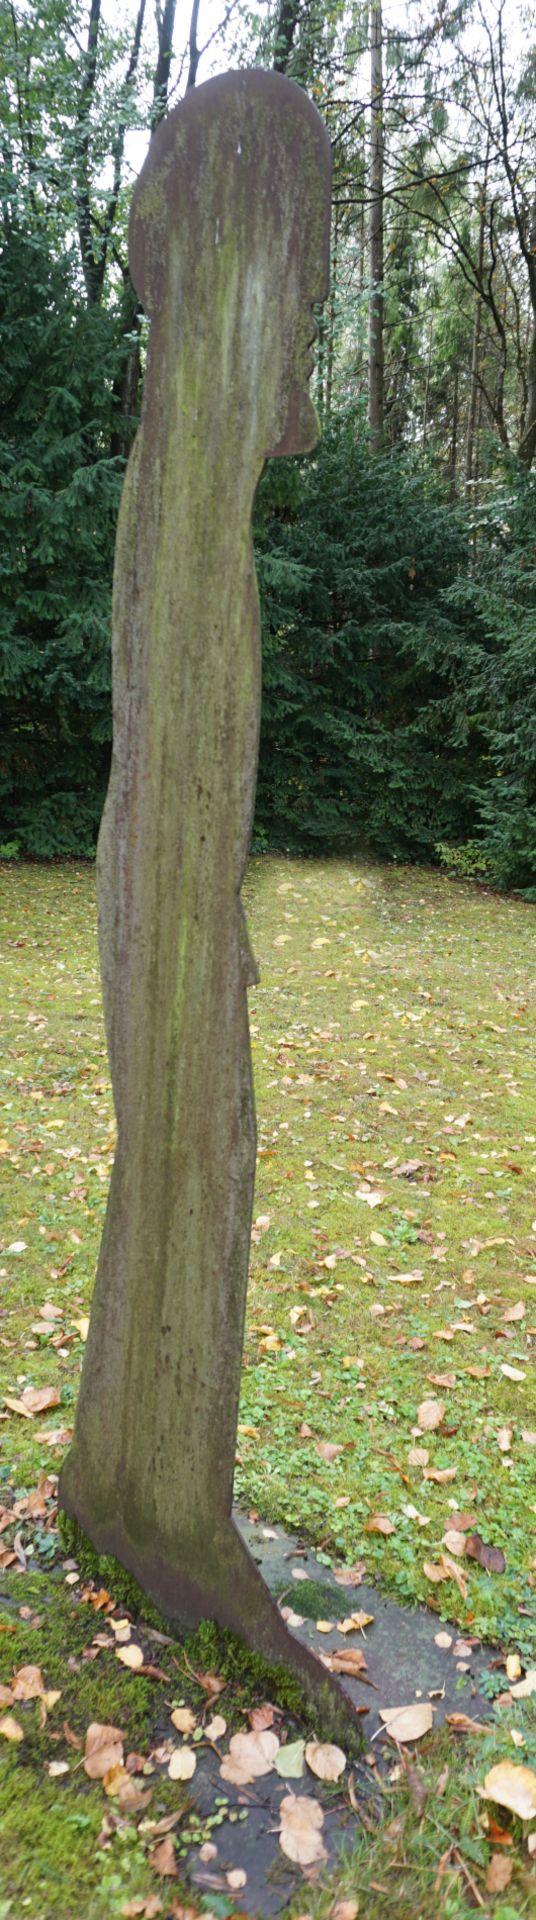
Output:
x=130 y=1656
x=182 y=1764
x=10 y=1728
x=325 y=1760
x=508 y=1785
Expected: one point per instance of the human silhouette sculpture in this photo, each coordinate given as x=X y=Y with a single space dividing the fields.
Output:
x=229 y=245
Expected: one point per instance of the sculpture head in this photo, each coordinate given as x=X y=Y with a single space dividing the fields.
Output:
x=229 y=251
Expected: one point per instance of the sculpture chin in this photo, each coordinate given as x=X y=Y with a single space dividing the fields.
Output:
x=302 y=426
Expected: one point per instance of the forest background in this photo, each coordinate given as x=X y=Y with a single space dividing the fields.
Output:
x=397 y=564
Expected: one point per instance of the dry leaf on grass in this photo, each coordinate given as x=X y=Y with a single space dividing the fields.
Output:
x=328 y=1450
x=11 y=1728
x=430 y=1414
x=130 y=1656
x=236 y=1879
x=103 y=1750
x=162 y=1859
x=511 y=1786
x=34 y=1400
x=499 y=1873
x=344 y=1910
x=492 y=1558
x=379 y=1523
x=524 y=1688
x=28 y=1684
x=407 y=1723
x=327 y=1762
x=300 y=1837
x=440 y=1475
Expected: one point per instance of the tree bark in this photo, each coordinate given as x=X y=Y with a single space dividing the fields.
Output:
x=475 y=351
x=376 y=354
x=287 y=21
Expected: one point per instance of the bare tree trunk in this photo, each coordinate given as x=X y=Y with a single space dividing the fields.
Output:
x=427 y=383
x=527 y=446
x=376 y=360
x=453 y=454
x=331 y=315
x=475 y=352
x=193 y=47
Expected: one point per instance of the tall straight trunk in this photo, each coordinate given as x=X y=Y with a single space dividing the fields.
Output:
x=331 y=315
x=475 y=351
x=527 y=446
x=376 y=361
x=427 y=385
x=453 y=451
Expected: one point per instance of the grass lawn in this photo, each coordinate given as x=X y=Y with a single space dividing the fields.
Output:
x=393 y=1263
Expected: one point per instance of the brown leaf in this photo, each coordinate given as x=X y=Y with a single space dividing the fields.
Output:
x=442 y=1380
x=407 y=1723
x=379 y=1523
x=103 y=1750
x=430 y=1414
x=325 y=1761
x=254 y=1752
x=440 y=1475
x=499 y=1873
x=162 y=1859
x=28 y=1684
x=350 y=1576
x=328 y=1450
x=300 y=1837
x=492 y=1558
x=261 y=1717
x=348 y=1660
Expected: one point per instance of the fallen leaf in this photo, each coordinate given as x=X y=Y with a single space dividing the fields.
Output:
x=28 y=1684
x=216 y=1727
x=524 y=1688
x=379 y=1523
x=515 y=1313
x=407 y=1723
x=130 y=1656
x=355 y=1622
x=512 y=1786
x=513 y=1666
x=261 y=1717
x=440 y=1475
x=328 y=1450
x=504 y=1439
x=350 y=1576
x=11 y=1728
x=182 y=1764
x=443 y=1639
x=418 y=1457
x=56 y=1767
x=34 y=1400
x=442 y=1380
x=498 y=1873
x=162 y=1859
x=103 y=1750
x=6 y=1697
x=300 y=1837
x=132 y=1799
x=344 y=1910
x=454 y=1541
x=236 y=1879
x=430 y=1414
x=492 y=1558
x=289 y=1762
x=348 y=1660
x=325 y=1760
x=251 y=1754
x=116 y=1777
x=184 y=1720
x=511 y=1373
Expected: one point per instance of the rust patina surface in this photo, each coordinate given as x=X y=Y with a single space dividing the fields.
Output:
x=229 y=245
